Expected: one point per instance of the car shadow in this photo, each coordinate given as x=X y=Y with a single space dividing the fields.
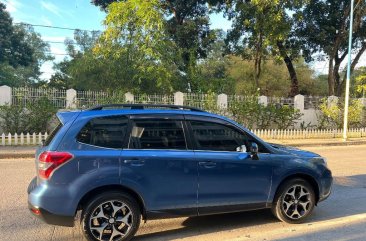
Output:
x=347 y=199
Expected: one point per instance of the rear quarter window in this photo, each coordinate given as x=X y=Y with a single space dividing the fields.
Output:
x=108 y=132
x=53 y=133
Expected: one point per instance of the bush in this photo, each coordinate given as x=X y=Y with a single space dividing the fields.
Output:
x=252 y=114
x=31 y=118
x=39 y=115
x=332 y=114
x=12 y=119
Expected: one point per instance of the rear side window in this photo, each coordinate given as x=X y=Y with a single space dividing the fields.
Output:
x=53 y=133
x=108 y=131
x=216 y=137
x=157 y=134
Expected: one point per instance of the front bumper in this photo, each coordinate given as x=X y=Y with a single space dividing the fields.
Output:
x=326 y=185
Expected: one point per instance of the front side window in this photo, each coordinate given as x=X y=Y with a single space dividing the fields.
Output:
x=108 y=131
x=216 y=137
x=157 y=134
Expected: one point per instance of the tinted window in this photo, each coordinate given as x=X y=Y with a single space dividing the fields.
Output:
x=216 y=137
x=106 y=131
x=53 y=133
x=157 y=134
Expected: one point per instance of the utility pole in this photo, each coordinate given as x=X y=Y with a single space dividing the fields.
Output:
x=346 y=99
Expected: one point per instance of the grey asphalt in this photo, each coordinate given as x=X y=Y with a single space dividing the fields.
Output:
x=341 y=217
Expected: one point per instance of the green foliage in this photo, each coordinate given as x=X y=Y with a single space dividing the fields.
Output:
x=252 y=114
x=273 y=80
x=39 y=114
x=22 y=52
x=332 y=114
x=211 y=74
x=254 y=37
x=12 y=118
x=31 y=118
x=324 y=29
x=361 y=81
x=186 y=24
x=14 y=50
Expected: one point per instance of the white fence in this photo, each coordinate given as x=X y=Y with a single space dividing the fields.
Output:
x=22 y=139
x=36 y=139
x=72 y=99
x=309 y=134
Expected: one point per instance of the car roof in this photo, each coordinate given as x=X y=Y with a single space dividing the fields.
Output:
x=140 y=109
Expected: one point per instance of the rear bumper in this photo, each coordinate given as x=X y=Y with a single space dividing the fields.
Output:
x=51 y=218
x=42 y=213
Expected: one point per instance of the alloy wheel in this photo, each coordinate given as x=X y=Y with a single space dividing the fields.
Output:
x=111 y=220
x=296 y=202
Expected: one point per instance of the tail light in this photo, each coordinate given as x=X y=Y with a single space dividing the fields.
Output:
x=49 y=161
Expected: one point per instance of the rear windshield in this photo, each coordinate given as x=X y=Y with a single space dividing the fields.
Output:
x=53 y=132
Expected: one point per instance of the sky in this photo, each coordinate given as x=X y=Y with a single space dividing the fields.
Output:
x=81 y=14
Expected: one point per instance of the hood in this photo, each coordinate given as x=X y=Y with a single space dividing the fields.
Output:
x=294 y=150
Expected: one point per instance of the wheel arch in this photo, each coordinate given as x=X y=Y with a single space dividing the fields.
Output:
x=114 y=187
x=310 y=179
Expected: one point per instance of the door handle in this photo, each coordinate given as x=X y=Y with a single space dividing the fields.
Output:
x=134 y=162
x=207 y=164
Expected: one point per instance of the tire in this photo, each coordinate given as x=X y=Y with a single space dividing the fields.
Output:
x=294 y=201
x=111 y=214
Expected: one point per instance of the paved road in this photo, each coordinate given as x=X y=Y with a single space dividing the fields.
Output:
x=341 y=217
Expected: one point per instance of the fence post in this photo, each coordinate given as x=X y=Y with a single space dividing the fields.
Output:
x=71 y=99
x=222 y=101
x=299 y=103
x=129 y=97
x=178 y=98
x=263 y=100
x=332 y=101
x=5 y=95
x=363 y=101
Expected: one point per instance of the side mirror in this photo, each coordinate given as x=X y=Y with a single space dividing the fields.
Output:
x=254 y=150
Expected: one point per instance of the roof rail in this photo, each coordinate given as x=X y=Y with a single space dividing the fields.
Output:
x=145 y=106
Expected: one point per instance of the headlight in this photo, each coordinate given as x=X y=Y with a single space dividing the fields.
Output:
x=319 y=161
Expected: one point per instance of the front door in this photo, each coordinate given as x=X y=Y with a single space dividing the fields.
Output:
x=229 y=179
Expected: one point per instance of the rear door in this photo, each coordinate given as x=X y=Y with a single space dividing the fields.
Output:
x=98 y=147
x=160 y=164
x=229 y=179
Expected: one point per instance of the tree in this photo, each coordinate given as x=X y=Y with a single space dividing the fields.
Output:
x=96 y=63
x=211 y=73
x=274 y=78
x=22 y=52
x=264 y=30
x=186 y=23
x=14 y=50
x=136 y=35
x=325 y=28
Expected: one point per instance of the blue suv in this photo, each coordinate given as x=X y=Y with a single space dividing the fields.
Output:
x=120 y=163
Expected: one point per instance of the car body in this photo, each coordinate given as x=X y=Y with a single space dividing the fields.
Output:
x=171 y=162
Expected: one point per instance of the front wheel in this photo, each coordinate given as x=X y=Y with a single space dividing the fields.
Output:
x=294 y=201
x=111 y=216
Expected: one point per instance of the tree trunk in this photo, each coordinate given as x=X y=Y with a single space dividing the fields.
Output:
x=336 y=77
x=330 y=77
x=291 y=70
x=258 y=70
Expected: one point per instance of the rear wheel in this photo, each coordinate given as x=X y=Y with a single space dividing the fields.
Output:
x=111 y=216
x=294 y=201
